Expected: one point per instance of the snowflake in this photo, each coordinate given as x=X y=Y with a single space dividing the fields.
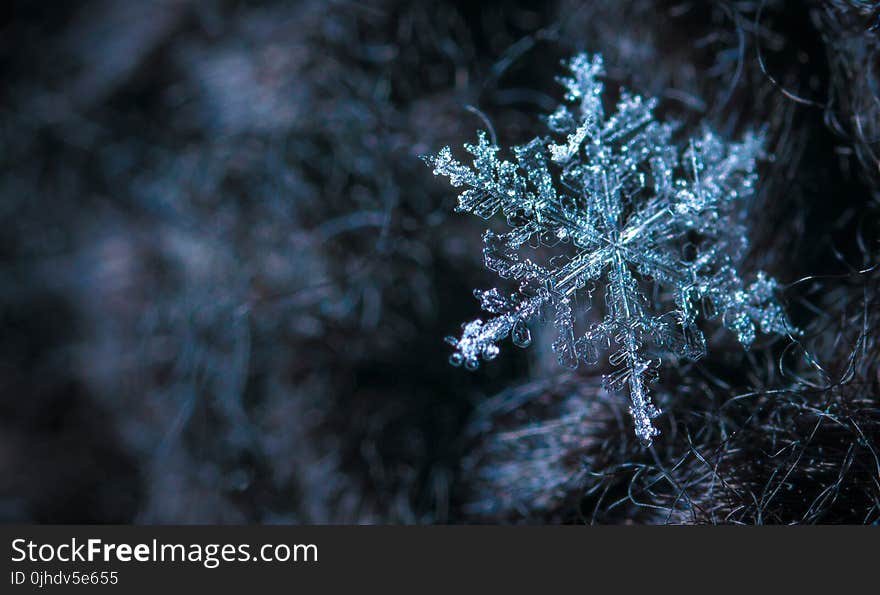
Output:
x=621 y=206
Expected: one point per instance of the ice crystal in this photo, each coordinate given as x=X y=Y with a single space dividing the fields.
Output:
x=624 y=207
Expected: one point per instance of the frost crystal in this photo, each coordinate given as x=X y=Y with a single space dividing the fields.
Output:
x=622 y=207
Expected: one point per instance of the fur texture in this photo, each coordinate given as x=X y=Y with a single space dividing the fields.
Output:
x=227 y=276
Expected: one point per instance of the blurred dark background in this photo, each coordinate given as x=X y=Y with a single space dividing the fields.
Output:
x=226 y=275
